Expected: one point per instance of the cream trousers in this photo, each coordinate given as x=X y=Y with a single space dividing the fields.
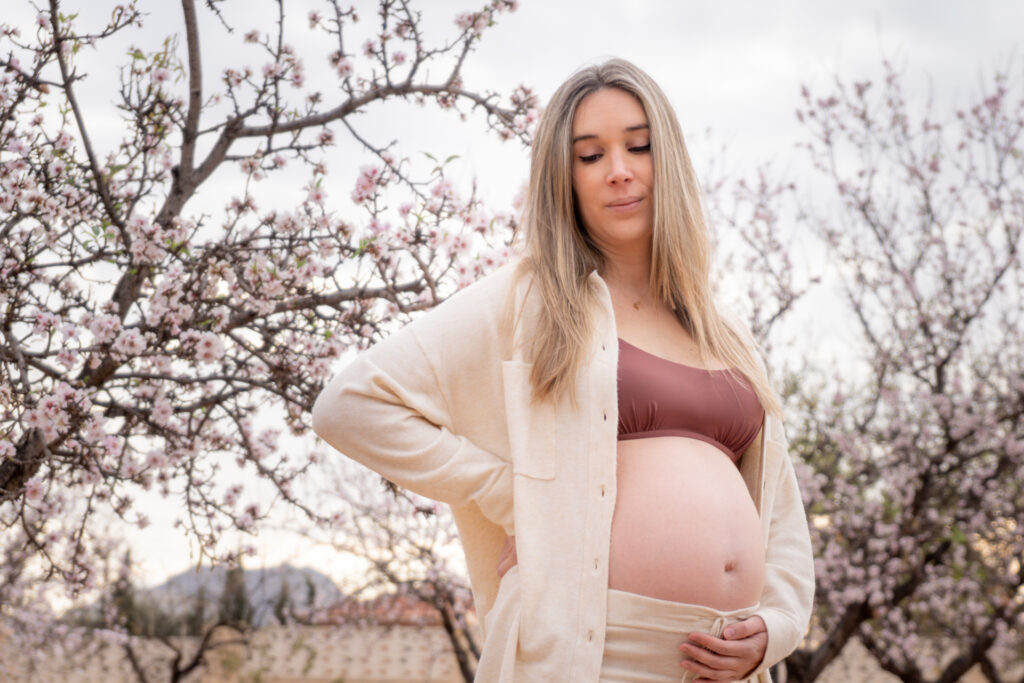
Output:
x=643 y=635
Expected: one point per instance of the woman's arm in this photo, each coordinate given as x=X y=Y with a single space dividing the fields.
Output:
x=388 y=410
x=788 y=594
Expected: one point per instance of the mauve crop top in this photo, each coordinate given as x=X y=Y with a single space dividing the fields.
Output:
x=658 y=397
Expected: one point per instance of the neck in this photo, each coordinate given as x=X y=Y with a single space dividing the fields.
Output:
x=629 y=274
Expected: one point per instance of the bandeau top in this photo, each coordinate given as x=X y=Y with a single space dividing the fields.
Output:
x=659 y=397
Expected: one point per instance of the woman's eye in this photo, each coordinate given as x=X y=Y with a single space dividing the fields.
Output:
x=591 y=158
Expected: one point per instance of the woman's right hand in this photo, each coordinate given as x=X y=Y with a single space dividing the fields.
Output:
x=507 y=559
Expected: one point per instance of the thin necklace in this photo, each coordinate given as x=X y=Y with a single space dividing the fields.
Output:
x=636 y=304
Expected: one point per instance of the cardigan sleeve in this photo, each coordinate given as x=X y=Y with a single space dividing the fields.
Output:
x=788 y=594
x=388 y=410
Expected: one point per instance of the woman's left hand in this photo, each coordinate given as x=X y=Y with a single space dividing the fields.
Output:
x=730 y=658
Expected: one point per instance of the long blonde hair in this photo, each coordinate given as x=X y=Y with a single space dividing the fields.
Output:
x=560 y=255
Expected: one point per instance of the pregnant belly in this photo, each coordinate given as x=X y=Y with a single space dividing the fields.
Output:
x=685 y=528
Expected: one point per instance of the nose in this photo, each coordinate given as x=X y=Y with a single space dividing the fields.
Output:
x=619 y=170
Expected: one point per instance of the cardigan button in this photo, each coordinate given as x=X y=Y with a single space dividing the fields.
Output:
x=602 y=490
x=605 y=417
x=590 y=635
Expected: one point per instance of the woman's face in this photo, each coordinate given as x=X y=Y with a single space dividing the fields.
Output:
x=612 y=170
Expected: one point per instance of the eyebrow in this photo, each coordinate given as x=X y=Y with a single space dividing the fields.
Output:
x=630 y=129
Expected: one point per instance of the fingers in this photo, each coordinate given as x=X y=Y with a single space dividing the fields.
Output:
x=744 y=628
x=704 y=673
x=708 y=643
x=707 y=658
x=710 y=666
x=717 y=659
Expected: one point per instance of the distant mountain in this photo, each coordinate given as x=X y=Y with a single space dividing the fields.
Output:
x=305 y=588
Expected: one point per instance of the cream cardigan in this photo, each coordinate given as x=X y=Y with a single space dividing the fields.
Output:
x=442 y=408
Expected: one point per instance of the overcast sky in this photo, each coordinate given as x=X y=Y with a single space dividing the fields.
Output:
x=733 y=66
x=736 y=66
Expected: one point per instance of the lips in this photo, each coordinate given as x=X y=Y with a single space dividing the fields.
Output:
x=624 y=203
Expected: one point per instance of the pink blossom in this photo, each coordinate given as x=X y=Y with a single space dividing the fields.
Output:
x=45 y=321
x=104 y=328
x=7 y=449
x=398 y=57
x=209 y=348
x=442 y=189
x=288 y=222
x=314 y=19
x=162 y=411
x=368 y=48
x=130 y=342
x=67 y=357
x=221 y=314
x=272 y=70
x=344 y=68
x=460 y=244
x=156 y=459
x=232 y=78
x=369 y=178
x=364 y=190
x=16 y=146
x=130 y=468
x=231 y=497
x=316 y=195
x=33 y=490
x=475 y=20
x=112 y=445
x=63 y=141
x=161 y=75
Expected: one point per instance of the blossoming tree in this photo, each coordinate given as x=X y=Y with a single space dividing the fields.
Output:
x=402 y=544
x=140 y=334
x=912 y=447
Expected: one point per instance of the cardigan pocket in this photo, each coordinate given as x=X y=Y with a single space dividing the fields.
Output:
x=531 y=429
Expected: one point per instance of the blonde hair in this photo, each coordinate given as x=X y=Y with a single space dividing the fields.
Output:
x=560 y=255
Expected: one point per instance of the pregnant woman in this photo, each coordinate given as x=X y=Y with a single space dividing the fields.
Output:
x=606 y=436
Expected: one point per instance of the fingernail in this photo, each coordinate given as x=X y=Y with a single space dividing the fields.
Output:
x=728 y=633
